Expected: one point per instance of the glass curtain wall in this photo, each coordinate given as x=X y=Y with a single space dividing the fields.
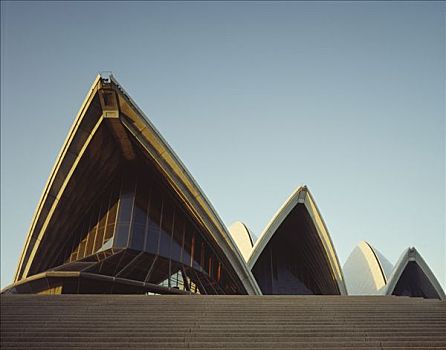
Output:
x=151 y=220
x=141 y=218
x=96 y=230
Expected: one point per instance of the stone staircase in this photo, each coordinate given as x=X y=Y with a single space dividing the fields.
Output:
x=221 y=322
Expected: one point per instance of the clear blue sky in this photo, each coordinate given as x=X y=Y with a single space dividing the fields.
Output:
x=255 y=98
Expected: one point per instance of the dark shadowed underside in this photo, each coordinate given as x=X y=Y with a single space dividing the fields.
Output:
x=294 y=262
x=414 y=282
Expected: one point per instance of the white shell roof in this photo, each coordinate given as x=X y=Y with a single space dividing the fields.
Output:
x=366 y=270
x=242 y=237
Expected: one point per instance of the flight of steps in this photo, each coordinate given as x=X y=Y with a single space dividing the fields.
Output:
x=221 y=322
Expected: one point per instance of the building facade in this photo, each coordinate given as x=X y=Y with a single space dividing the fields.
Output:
x=120 y=214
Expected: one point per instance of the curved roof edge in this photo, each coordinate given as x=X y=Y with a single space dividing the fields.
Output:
x=242 y=237
x=412 y=255
x=301 y=195
x=174 y=170
x=365 y=270
x=385 y=265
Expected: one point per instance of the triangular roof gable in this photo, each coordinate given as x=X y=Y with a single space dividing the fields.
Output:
x=412 y=255
x=302 y=196
x=122 y=108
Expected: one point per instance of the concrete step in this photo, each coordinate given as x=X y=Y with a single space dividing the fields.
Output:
x=221 y=322
x=350 y=344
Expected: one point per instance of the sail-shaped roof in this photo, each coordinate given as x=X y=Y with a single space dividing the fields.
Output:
x=366 y=270
x=413 y=277
x=242 y=237
x=298 y=228
x=112 y=139
x=108 y=109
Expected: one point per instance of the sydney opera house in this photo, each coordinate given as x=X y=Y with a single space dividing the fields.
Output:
x=125 y=251
x=120 y=214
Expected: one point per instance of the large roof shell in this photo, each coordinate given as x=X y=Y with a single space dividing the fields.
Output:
x=303 y=196
x=137 y=124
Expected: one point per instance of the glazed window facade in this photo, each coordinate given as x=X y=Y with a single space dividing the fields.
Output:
x=96 y=231
x=139 y=217
x=149 y=220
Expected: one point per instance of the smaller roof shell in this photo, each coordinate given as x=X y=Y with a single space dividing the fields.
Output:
x=366 y=270
x=242 y=237
x=412 y=255
x=303 y=196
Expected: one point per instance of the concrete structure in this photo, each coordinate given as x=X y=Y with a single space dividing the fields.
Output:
x=120 y=214
x=368 y=272
x=221 y=322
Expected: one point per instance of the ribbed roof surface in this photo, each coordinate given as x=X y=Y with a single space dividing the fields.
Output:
x=366 y=270
x=215 y=322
